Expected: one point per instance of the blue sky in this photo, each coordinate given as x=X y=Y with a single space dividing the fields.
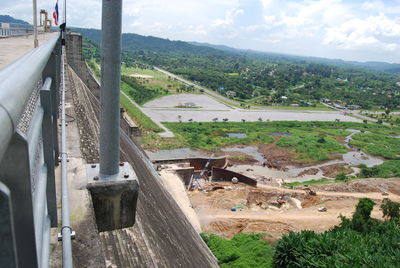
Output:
x=363 y=30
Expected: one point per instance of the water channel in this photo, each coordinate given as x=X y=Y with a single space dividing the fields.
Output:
x=351 y=158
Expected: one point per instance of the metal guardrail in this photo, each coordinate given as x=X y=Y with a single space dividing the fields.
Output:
x=29 y=99
x=66 y=230
x=13 y=29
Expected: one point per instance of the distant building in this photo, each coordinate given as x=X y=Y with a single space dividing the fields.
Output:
x=231 y=94
x=338 y=106
x=353 y=107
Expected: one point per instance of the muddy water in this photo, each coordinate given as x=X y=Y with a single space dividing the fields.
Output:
x=249 y=150
x=174 y=154
x=352 y=158
x=280 y=134
x=236 y=135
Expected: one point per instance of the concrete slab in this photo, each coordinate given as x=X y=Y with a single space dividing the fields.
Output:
x=169 y=115
x=12 y=48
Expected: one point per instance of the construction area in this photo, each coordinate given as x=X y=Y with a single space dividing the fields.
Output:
x=219 y=201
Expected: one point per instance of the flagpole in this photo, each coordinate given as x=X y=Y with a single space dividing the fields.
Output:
x=35 y=34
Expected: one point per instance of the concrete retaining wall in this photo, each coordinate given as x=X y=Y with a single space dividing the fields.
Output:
x=73 y=43
x=185 y=174
x=219 y=174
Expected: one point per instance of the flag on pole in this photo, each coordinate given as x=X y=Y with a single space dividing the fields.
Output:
x=55 y=14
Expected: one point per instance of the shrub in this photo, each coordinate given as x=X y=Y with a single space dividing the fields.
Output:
x=244 y=250
x=391 y=210
x=346 y=245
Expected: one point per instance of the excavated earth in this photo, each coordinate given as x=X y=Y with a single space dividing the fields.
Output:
x=258 y=209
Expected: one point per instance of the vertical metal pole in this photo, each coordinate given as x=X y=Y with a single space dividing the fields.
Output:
x=35 y=34
x=65 y=12
x=110 y=86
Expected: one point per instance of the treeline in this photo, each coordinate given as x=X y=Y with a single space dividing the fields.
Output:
x=266 y=78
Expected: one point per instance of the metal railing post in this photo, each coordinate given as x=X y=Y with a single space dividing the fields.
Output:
x=8 y=257
x=110 y=86
x=48 y=150
x=51 y=71
x=15 y=173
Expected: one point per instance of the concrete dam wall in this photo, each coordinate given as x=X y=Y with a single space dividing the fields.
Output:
x=162 y=235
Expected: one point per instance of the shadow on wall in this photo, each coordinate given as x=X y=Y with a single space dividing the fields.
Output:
x=219 y=174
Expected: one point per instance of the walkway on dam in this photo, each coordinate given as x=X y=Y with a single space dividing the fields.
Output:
x=162 y=235
x=14 y=47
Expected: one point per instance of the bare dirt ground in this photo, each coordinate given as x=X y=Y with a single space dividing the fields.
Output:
x=333 y=170
x=238 y=158
x=259 y=211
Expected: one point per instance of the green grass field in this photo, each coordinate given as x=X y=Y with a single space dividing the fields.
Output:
x=157 y=81
x=141 y=120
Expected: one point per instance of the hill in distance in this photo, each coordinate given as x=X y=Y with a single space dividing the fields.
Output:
x=9 y=19
x=131 y=41
x=373 y=65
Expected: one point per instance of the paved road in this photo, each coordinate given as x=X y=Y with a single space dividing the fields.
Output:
x=357 y=114
x=237 y=115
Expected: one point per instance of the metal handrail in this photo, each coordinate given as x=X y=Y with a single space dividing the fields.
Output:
x=15 y=29
x=66 y=230
x=28 y=205
x=16 y=87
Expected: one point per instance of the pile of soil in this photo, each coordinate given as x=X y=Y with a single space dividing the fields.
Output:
x=310 y=171
x=277 y=157
x=333 y=170
x=234 y=158
x=221 y=198
x=363 y=186
x=228 y=228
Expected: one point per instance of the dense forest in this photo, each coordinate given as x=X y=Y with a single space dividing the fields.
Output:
x=263 y=78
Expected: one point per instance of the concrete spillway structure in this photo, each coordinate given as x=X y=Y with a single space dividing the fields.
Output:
x=162 y=235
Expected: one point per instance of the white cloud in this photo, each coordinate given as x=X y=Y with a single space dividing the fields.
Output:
x=229 y=17
x=352 y=29
x=356 y=33
x=266 y=3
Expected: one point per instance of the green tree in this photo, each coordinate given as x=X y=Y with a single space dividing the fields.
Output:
x=391 y=210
